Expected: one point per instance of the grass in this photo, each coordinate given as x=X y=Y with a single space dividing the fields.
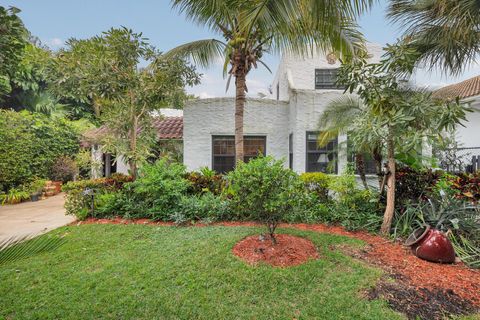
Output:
x=149 y=272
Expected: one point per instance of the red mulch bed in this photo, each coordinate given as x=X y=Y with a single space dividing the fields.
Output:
x=288 y=250
x=391 y=256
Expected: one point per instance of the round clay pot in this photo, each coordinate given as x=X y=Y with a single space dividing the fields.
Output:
x=431 y=245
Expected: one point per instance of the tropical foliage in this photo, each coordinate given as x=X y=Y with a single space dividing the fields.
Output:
x=105 y=72
x=401 y=118
x=443 y=32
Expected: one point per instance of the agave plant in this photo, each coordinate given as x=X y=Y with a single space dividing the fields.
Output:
x=19 y=247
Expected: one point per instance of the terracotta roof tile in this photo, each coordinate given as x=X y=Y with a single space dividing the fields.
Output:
x=464 y=89
x=166 y=127
x=169 y=127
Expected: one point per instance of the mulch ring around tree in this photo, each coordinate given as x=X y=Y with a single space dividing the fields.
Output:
x=417 y=286
x=286 y=252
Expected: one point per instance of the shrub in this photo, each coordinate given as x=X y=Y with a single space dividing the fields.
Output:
x=317 y=182
x=202 y=182
x=30 y=143
x=359 y=210
x=263 y=190
x=309 y=208
x=64 y=169
x=157 y=190
x=206 y=208
x=466 y=186
x=78 y=204
x=413 y=185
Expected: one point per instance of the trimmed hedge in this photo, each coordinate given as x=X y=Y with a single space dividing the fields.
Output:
x=30 y=144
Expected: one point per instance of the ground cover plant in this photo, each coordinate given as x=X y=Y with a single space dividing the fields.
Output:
x=146 y=272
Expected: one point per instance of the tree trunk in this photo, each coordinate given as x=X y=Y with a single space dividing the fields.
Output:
x=133 y=147
x=377 y=157
x=360 y=163
x=390 y=209
x=240 y=81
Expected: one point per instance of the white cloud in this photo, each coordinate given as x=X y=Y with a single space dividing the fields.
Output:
x=205 y=95
x=54 y=42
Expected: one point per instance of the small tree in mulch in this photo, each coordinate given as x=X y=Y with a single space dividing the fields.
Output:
x=263 y=190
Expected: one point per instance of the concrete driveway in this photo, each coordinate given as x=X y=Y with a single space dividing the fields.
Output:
x=33 y=217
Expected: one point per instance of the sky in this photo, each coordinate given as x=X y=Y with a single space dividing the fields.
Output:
x=55 y=21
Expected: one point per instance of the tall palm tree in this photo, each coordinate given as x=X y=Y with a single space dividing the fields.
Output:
x=446 y=33
x=251 y=28
x=339 y=117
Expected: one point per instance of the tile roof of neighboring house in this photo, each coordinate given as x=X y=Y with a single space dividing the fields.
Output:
x=169 y=127
x=464 y=89
x=166 y=127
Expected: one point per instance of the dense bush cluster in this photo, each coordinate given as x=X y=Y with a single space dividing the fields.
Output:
x=263 y=190
x=30 y=145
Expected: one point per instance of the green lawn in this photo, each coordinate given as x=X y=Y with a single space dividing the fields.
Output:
x=148 y=272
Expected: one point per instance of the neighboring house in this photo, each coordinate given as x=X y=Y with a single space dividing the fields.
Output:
x=285 y=127
x=466 y=156
x=169 y=128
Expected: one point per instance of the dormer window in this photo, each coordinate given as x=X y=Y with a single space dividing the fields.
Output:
x=325 y=79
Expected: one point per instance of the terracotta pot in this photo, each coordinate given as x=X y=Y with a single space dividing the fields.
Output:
x=58 y=186
x=431 y=245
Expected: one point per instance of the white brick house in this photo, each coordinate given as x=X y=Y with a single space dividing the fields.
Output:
x=285 y=127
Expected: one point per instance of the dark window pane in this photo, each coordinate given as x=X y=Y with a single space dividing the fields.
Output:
x=223 y=157
x=223 y=164
x=254 y=146
x=321 y=159
x=325 y=79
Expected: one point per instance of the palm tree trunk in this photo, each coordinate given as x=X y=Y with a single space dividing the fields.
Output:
x=390 y=208
x=360 y=163
x=240 y=81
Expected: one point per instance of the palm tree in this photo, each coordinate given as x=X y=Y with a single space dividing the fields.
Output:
x=444 y=32
x=251 y=28
x=339 y=117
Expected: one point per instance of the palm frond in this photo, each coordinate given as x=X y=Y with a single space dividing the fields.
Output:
x=202 y=52
x=338 y=117
x=445 y=32
x=210 y=13
x=19 y=247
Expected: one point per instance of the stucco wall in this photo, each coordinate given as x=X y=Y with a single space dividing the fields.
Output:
x=306 y=109
x=206 y=117
x=301 y=71
x=274 y=119
x=469 y=136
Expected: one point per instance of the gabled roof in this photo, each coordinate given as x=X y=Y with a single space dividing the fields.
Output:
x=166 y=127
x=462 y=90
